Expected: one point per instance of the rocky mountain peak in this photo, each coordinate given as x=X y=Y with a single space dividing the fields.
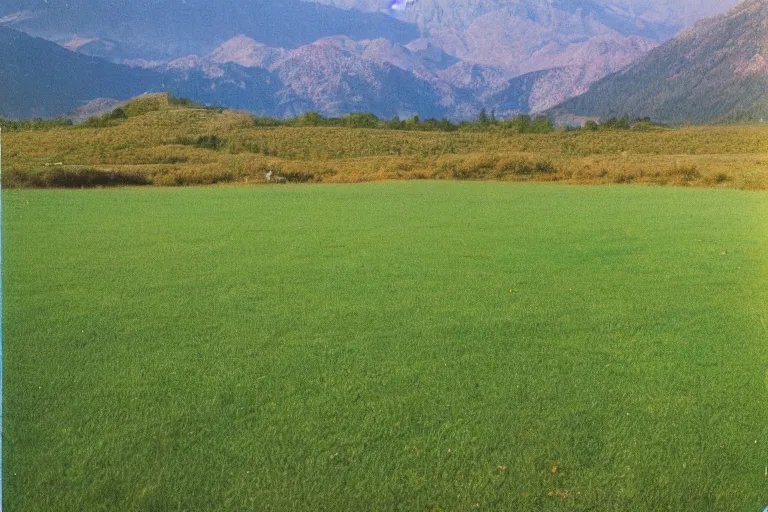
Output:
x=247 y=52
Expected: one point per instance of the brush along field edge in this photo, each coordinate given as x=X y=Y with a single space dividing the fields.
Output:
x=193 y=147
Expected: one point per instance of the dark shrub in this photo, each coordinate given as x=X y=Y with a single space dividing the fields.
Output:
x=297 y=176
x=591 y=126
x=360 y=120
x=615 y=123
x=545 y=167
x=209 y=142
x=183 y=102
x=72 y=178
x=79 y=178
x=118 y=113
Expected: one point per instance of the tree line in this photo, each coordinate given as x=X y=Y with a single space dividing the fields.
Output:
x=484 y=122
x=521 y=123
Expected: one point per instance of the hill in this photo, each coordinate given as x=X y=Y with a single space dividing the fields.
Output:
x=41 y=79
x=517 y=57
x=155 y=140
x=531 y=35
x=438 y=57
x=651 y=17
x=717 y=70
x=332 y=76
x=169 y=29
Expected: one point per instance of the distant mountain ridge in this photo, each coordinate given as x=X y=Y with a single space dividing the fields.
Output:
x=41 y=79
x=651 y=18
x=168 y=29
x=530 y=35
x=717 y=70
x=331 y=76
x=437 y=58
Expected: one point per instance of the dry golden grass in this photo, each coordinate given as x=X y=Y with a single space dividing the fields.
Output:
x=168 y=145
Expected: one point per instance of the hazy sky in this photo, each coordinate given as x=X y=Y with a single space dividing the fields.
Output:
x=681 y=11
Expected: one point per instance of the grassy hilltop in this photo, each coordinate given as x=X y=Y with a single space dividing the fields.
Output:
x=153 y=142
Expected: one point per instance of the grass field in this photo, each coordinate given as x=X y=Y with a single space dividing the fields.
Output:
x=182 y=146
x=396 y=346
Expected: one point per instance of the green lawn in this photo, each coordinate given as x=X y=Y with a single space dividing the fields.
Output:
x=402 y=346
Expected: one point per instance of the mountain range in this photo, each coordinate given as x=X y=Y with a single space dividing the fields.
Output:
x=168 y=29
x=282 y=58
x=717 y=70
x=40 y=79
